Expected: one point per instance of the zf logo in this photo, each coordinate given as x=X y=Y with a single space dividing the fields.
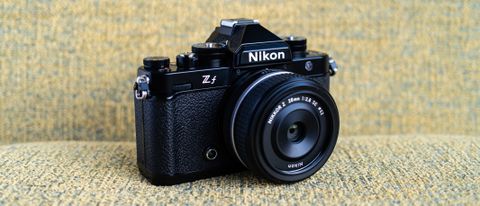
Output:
x=209 y=80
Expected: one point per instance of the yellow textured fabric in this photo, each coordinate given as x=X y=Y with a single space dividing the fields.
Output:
x=405 y=170
x=66 y=68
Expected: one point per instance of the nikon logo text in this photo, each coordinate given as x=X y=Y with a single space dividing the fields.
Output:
x=265 y=56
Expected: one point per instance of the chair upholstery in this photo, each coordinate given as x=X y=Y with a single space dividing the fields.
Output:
x=407 y=91
x=67 y=68
x=383 y=169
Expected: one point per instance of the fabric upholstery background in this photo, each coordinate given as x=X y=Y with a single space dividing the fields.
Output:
x=365 y=170
x=67 y=67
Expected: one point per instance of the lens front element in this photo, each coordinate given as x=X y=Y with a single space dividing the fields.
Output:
x=294 y=130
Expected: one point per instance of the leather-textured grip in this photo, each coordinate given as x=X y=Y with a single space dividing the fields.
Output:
x=172 y=134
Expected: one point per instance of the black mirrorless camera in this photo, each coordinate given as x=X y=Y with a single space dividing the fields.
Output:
x=244 y=99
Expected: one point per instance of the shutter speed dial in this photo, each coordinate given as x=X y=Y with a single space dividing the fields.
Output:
x=158 y=63
x=210 y=54
x=203 y=55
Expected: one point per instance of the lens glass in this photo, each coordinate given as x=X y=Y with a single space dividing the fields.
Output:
x=296 y=132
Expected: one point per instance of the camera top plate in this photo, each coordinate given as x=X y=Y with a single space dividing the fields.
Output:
x=235 y=47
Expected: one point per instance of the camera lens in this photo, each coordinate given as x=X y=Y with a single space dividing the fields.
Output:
x=281 y=125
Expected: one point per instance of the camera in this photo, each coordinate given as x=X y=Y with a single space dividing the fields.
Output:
x=243 y=99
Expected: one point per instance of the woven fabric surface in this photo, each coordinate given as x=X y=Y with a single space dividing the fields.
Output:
x=411 y=169
x=67 y=67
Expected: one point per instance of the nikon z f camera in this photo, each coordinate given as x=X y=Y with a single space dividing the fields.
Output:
x=244 y=99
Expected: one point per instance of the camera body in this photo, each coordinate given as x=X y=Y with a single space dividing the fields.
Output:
x=182 y=111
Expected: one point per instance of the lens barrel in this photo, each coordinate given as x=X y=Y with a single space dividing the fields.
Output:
x=282 y=126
